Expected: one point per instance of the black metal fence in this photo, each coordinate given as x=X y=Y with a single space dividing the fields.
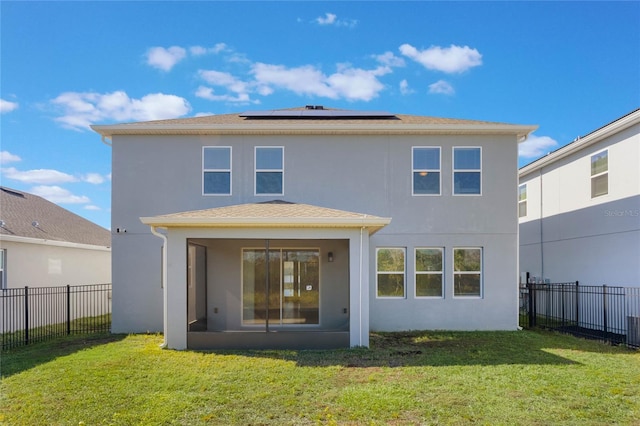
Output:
x=34 y=314
x=606 y=313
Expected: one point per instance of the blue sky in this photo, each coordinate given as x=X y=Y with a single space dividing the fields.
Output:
x=569 y=67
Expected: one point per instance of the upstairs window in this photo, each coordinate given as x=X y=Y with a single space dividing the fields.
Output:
x=269 y=166
x=216 y=170
x=467 y=171
x=426 y=170
x=390 y=271
x=600 y=174
x=522 y=200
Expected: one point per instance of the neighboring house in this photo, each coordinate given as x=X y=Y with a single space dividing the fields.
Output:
x=579 y=209
x=43 y=245
x=309 y=227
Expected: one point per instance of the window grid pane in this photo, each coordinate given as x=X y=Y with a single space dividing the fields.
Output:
x=429 y=276
x=426 y=170
x=467 y=171
x=216 y=170
x=599 y=163
x=390 y=268
x=467 y=267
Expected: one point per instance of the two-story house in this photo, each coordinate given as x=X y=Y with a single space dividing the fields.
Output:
x=309 y=227
x=579 y=209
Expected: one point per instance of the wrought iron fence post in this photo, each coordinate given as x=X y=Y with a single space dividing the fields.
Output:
x=577 y=305
x=26 y=315
x=604 y=309
x=68 y=309
x=563 y=315
x=532 y=314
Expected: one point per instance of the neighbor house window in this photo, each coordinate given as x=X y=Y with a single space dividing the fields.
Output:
x=467 y=171
x=3 y=269
x=522 y=200
x=467 y=272
x=429 y=277
x=269 y=164
x=390 y=271
x=599 y=174
x=216 y=170
x=426 y=170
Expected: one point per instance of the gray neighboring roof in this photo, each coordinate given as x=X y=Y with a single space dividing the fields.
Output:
x=272 y=214
x=19 y=210
x=347 y=124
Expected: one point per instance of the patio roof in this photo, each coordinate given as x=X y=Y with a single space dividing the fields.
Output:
x=271 y=214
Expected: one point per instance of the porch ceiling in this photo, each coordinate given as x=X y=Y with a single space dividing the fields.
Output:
x=273 y=214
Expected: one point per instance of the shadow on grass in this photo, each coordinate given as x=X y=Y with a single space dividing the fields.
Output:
x=16 y=360
x=426 y=348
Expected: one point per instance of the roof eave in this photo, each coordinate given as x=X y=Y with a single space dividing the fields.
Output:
x=581 y=143
x=521 y=131
x=277 y=222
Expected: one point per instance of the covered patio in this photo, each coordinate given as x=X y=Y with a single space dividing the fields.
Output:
x=266 y=275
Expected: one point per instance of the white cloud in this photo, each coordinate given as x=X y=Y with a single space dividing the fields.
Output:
x=165 y=59
x=327 y=19
x=6 y=106
x=59 y=195
x=199 y=50
x=536 y=146
x=441 y=87
x=388 y=58
x=7 y=157
x=452 y=59
x=209 y=94
x=224 y=79
x=348 y=82
x=92 y=207
x=80 y=109
x=94 y=178
x=332 y=19
x=405 y=89
x=42 y=176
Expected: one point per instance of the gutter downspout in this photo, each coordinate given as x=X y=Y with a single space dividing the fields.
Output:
x=104 y=141
x=541 y=229
x=165 y=303
x=360 y=293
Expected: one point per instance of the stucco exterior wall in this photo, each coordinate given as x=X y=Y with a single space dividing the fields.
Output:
x=42 y=264
x=567 y=235
x=366 y=174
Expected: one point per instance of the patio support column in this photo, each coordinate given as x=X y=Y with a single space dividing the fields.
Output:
x=359 y=288
x=176 y=290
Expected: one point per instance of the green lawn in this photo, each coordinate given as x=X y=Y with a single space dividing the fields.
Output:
x=493 y=378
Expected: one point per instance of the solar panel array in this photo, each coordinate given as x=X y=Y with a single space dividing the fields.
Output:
x=316 y=112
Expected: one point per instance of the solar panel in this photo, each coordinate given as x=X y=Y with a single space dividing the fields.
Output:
x=316 y=112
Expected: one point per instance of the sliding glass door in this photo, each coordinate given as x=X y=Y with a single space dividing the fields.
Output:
x=281 y=285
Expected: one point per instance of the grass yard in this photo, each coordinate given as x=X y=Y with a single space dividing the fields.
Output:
x=494 y=378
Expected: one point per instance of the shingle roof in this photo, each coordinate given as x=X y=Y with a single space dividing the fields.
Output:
x=27 y=215
x=361 y=124
x=268 y=214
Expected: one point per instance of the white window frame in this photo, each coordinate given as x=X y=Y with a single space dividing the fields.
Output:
x=229 y=170
x=403 y=272
x=414 y=170
x=416 y=272
x=481 y=272
x=598 y=175
x=453 y=174
x=256 y=171
x=522 y=189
